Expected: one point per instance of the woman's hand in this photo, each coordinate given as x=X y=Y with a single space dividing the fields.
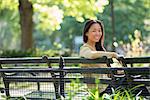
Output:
x=115 y=55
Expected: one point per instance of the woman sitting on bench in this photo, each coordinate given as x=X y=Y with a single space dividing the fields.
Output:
x=93 y=47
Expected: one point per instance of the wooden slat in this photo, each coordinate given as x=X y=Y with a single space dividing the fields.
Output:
x=70 y=60
x=69 y=80
x=137 y=60
x=135 y=70
x=52 y=60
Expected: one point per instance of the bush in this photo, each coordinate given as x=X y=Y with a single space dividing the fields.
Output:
x=34 y=53
x=16 y=53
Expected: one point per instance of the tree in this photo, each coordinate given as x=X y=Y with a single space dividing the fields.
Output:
x=47 y=16
x=26 y=13
x=129 y=16
x=113 y=23
x=68 y=9
x=9 y=25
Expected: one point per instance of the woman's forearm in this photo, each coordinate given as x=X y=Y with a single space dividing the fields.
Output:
x=97 y=54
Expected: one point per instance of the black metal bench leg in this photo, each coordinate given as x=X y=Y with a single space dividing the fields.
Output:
x=62 y=92
x=56 y=86
x=6 y=84
x=38 y=86
x=61 y=66
x=62 y=84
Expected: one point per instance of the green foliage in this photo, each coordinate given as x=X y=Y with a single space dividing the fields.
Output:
x=73 y=90
x=57 y=22
x=47 y=18
x=73 y=7
x=34 y=53
x=48 y=15
x=118 y=94
x=129 y=16
x=9 y=4
x=9 y=27
x=49 y=53
x=16 y=53
x=78 y=8
x=69 y=29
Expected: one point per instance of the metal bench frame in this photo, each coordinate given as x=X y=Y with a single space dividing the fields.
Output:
x=58 y=74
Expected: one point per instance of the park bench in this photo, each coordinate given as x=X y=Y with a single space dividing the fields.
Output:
x=12 y=69
x=132 y=76
x=67 y=65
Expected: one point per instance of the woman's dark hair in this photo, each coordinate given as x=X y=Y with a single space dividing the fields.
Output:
x=87 y=26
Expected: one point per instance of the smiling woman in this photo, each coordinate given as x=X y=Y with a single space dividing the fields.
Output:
x=93 y=47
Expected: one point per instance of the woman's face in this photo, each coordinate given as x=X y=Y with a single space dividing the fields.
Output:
x=94 y=34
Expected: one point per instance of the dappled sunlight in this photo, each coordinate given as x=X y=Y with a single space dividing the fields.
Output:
x=100 y=5
x=50 y=17
x=76 y=6
x=137 y=48
x=9 y=4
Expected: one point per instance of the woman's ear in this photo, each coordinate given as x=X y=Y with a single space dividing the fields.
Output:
x=86 y=34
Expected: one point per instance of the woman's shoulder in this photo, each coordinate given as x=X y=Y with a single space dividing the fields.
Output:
x=84 y=46
x=84 y=50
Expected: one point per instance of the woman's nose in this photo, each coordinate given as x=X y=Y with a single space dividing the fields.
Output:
x=98 y=33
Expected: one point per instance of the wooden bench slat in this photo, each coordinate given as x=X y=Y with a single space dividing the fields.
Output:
x=135 y=71
x=51 y=60
x=137 y=60
x=68 y=80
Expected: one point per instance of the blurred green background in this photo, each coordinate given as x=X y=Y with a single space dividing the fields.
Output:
x=54 y=27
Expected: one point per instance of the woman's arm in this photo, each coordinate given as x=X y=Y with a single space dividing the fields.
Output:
x=96 y=54
x=88 y=53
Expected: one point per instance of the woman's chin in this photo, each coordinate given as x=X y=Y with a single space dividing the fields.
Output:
x=96 y=40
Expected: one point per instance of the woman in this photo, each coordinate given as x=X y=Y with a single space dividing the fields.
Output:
x=93 y=47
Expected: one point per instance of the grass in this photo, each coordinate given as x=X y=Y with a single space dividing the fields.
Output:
x=93 y=94
x=117 y=94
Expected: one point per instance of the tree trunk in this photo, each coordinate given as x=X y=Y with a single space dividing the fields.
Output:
x=26 y=12
x=113 y=24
